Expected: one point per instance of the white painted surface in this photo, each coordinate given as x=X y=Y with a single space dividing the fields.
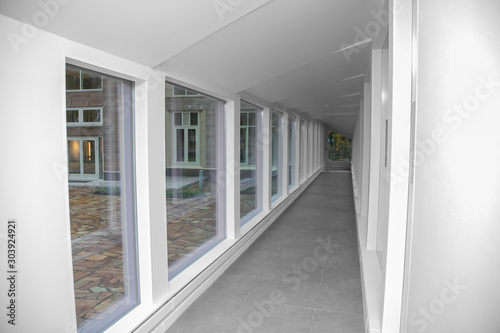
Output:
x=456 y=229
x=146 y=32
x=375 y=147
x=400 y=81
x=366 y=149
x=38 y=196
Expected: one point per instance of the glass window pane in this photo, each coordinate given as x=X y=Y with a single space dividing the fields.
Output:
x=251 y=119
x=178 y=119
x=252 y=145
x=71 y=116
x=191 y=145
x=91 y=81
x=180 y=145
x=195 y=200
x=179 y=91
x=194 y=119
x=74 y=156
x=243 y=119
x=72 y=79
x=91 y=116
x=185 y=119
x=243 y=145
x=102 y=209
x=251 y=162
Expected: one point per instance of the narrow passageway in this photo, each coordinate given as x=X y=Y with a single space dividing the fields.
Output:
x=302 y=275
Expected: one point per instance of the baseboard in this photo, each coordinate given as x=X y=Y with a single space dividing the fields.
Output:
x=371 y=275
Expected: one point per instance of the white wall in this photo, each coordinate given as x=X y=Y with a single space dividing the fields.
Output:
x=33 y=182
x=33 y=178
x=454 y=271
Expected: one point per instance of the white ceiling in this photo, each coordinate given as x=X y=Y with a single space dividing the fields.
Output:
x=280 y=51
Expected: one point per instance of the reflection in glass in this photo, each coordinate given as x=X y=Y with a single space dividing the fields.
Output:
x=74 y=156
x=102 y=201
x=250 y=161
x=89 y=162
x=72 y=79
x=72 y=116
x=194 y=175
x=90 y=81
x=180 y=145
x=192 y=145
x=91 y=116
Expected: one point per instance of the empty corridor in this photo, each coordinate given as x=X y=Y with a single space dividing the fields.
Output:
x=301 y=275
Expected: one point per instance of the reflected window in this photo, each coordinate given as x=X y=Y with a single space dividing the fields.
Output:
x=84 y=116
x=194 y=137
x=187 y=137
x=101 y=198
x=181 y=91
x=82 y=79
x=250 y=161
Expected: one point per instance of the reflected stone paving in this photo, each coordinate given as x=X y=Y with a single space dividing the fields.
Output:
x=97 y=251
x=97 y=248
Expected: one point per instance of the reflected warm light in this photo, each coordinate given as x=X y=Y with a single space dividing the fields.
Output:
x=74 y=149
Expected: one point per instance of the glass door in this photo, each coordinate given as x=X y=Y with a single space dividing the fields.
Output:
x=83 y=158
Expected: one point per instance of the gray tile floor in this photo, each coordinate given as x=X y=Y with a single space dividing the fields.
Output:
x=302 y=275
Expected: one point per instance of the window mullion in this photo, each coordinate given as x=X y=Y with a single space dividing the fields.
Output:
x=233 y=169
x=266 y=162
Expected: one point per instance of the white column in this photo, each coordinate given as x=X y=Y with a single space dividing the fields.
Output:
x=297 y=150
x=284 y=165
x=266 y=159
x=400 y=63
x=375 y=137
x=155 y=150
x=365 y=167
x=232 y=168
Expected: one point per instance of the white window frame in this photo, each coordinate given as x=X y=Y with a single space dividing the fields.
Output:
x=186 y=141
x=80 y=122
x=292 y=149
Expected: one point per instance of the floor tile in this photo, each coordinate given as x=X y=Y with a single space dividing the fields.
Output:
x=296 y=292
x=308 y=257
x=335 y=322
